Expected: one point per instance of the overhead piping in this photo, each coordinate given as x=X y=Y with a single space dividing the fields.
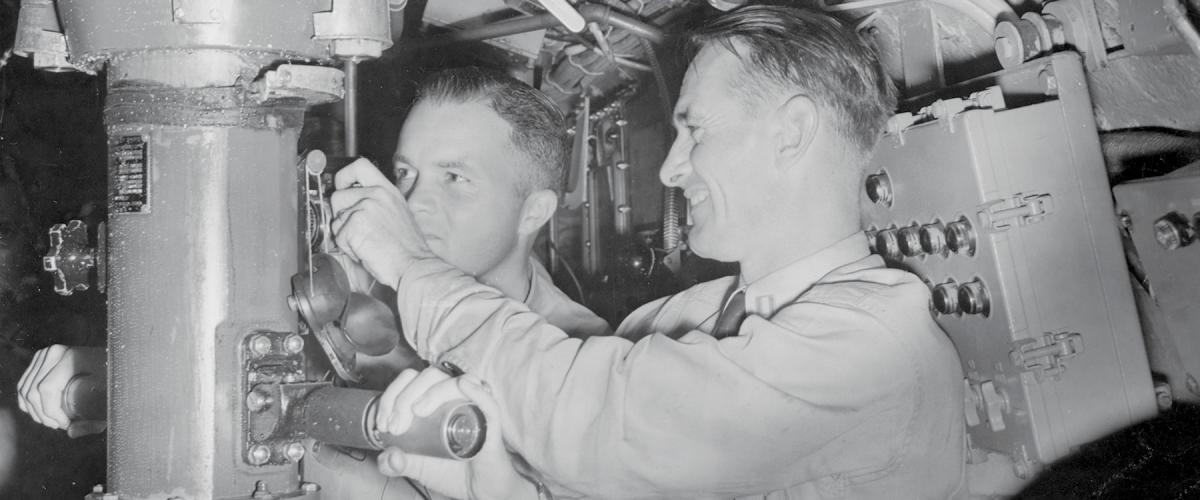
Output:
x=985 y=13
x=592 y=13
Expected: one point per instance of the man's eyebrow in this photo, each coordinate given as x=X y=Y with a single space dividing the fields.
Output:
x=399 y=158
x=449 y=164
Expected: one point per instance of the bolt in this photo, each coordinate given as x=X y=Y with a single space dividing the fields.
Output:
x=1126 y=220
x=261 y=491
x=258 y=455
x=1162 y=394
x=291 y=378
x=624 y=208
x=179 y=13
x=294 y=452
x=260 y=345
x=1021 y=468
x=293 y=344
x=622 y=165
x=1049 y=82
x=310 y=487
x=1173 y=231
x=258 y=401
x=621 y=122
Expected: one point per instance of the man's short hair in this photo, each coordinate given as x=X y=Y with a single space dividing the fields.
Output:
x=799 y=51
x=538 y=128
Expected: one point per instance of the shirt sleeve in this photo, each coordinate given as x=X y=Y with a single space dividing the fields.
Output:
x=780 y=404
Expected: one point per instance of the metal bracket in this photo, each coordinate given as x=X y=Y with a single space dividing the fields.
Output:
x=316 y=84
x=1017 y=210
x=269 y=359
x=1046 y=356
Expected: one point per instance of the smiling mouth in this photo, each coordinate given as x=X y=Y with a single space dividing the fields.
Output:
x=696 y=197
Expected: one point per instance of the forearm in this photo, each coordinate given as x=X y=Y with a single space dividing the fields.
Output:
x=611 y=418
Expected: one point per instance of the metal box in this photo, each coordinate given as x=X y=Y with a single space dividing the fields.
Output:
x=1161 y=215
x=1007 y=215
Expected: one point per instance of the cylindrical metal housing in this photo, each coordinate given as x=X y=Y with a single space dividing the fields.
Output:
x=203 y=222
x=102 y=29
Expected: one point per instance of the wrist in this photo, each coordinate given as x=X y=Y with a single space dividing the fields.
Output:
x=395 y=273
x=527 y=489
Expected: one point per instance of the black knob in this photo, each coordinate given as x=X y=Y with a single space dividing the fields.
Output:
x=887 y=244
x=933 y=239
x=879 y=189
x=910 y=241
x=945 y=298
x=960 y=237
x=973 y=298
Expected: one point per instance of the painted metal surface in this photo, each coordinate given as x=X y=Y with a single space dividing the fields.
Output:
x=1170 y=274
x=208 y=264
x=1039 y=307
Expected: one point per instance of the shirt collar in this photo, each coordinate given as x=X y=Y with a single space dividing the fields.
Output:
x=782 y=287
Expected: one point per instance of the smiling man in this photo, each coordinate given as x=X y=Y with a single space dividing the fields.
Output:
x=816 y=373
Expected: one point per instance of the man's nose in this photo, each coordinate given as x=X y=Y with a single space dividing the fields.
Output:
x=677 y=166
x=420 y=199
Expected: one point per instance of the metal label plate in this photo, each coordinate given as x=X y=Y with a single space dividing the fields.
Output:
x=128 y=175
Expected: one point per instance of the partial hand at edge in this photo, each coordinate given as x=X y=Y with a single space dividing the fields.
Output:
x=42 y=387
x=489 y=475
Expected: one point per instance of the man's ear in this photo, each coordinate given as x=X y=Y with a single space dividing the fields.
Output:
x=798 y=120
x=537 y=209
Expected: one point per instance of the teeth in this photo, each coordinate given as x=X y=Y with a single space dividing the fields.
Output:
x=697 y=198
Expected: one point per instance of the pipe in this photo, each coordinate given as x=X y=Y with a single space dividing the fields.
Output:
x=1179 y=18
x=985 y=13
x=592 y=13
x=604 y=14
x=350 y=103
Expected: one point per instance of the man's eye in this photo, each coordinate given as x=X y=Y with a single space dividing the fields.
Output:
x=455 y=178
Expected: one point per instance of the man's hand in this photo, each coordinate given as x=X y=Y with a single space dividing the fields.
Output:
x=489 y=475
x=373 y=224
x=44 y=383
